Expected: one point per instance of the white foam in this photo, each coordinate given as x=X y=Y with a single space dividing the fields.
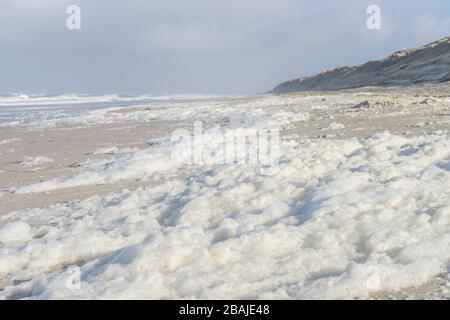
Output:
x=335 y=126
x=31 y=162
x=340 y=219
x=17 y=231
x=8 y=141
x=113 y=150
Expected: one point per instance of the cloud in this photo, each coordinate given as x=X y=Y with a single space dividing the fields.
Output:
x=426 y=26
x=234 y=46
x=23 y=8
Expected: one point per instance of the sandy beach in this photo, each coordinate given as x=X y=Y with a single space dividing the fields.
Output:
x=64 y=166
x=229 y=159
x=408 y=111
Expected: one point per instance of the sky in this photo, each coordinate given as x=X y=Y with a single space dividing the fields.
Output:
x=199 y=46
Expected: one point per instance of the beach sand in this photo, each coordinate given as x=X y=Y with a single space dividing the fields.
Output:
x=68 y=147
x=356 y=113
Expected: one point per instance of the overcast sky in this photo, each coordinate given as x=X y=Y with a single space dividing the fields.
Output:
x=199 y=46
